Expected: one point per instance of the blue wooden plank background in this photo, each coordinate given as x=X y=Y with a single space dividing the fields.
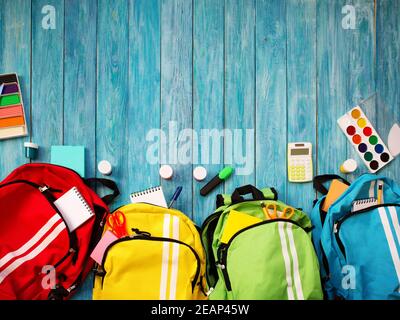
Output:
x=112 y=73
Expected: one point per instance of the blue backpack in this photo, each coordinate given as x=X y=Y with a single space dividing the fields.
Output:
x=358 y=249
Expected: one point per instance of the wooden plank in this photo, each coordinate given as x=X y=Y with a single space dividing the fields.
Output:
x=176 y=96
x=144 y=90
x=359 y=68
x=271 y=135
x=15 y=53
x=112 y=91
x=388 y=73
x=208 y=95
x=301 y=87
x=240 y=88
x=47 y=78
x=80 y=90
x=345 y=77
x=80 y=78
x=332 y=98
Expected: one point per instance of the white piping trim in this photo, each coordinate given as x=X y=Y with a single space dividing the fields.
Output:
x=175 y=259
x=43 y=245
x=286 y=259
x=29 y=244
x=395 y=222
x=296 y=273
x=390 y=240
x=165 y=258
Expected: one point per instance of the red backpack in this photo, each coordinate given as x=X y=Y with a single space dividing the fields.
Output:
x=34 y=236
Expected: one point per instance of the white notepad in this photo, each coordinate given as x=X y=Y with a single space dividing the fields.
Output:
x=152 y=196
x=364 y=204
x=74 y=209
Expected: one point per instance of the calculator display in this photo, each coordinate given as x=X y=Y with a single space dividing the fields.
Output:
x=300 y=152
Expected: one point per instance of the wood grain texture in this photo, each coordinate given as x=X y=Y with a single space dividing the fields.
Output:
x=80 y=78
x=144 y=90
x=80 y=90
x=112 y=91
x=345 y=77
x=332 y=49
x=47 y=79
x=15 y=56
x=388 y=73
x=271 y=117
x=301 y=90
x=361 y=72
x=117 y=69
x=176 y=97
x=208 y=95
x=239 y=87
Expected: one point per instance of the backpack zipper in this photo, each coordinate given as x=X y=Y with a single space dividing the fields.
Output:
x=223 y=248
x=45 y=191
x=147 y=237
x=211 y=259
x=337 y=225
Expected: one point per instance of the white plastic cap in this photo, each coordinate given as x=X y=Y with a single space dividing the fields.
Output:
x=349 y=166
x=199 y=173
x=31 y=145
x=166 y=172
x=104 y=167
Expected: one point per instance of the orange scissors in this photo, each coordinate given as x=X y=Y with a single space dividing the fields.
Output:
x=286 y=214
x=117 y=223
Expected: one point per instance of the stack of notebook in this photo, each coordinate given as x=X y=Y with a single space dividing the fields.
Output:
x=12 y=115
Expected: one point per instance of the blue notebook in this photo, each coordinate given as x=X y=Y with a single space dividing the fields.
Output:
x=72 y=157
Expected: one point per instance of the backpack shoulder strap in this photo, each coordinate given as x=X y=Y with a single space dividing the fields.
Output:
x=318 y=182
x=237 y=195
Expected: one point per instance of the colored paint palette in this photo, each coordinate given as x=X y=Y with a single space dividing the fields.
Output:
x=12 y=115
x=360 y=132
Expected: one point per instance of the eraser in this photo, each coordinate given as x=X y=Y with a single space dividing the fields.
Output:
x=98 y=252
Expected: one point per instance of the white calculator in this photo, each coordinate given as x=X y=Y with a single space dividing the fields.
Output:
x=300 y=166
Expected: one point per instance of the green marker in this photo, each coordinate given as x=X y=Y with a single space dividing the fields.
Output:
x=224 y=174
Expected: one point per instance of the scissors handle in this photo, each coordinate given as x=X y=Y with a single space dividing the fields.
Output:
x=266 y=210
x=287 y=213
x=274 y=209
x=117 y=223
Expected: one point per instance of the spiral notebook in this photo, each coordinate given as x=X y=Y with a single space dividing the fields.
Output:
x=153 y=195
x=74 y=209
x=364 y=204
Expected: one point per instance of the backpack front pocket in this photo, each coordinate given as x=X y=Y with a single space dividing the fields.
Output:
x=42 y=240
x=145 y=267
x=368 y=242
x=273 y=259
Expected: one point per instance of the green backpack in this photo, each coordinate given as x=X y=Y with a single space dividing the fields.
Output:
x=273 y=259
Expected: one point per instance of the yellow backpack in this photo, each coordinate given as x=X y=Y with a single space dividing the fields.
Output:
x=162 y=258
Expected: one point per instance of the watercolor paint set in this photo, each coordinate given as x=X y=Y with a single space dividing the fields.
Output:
x=365 y=139
x=12 y=114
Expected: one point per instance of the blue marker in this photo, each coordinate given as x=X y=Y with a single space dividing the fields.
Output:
x=175 y=196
